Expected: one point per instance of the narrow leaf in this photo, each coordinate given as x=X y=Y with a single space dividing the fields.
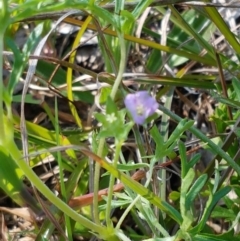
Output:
x=195 y=189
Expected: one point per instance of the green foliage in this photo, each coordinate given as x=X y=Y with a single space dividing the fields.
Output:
x=80 y=155
x=113 y=122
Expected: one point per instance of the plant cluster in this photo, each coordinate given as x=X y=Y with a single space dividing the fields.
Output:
x=118 y=169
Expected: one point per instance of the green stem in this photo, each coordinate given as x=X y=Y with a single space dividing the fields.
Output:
x=102 y=140
x=96 y=181
x=2 y=130
x=129 y=208
x=164 y=132
x=4 y=18
x=61 y=175
x=111 y=184
x=121 y=67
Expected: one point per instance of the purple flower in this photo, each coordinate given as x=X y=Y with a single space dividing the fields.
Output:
x=141 y=105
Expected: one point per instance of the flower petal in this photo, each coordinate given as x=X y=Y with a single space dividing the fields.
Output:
x=141 y=105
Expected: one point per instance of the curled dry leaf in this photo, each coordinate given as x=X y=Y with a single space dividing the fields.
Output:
x=4 y=229
x=25 y=213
